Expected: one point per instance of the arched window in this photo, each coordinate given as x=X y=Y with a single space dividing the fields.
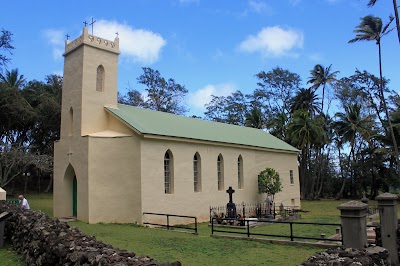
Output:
x=240 y=172
x=71 y=122
x=197 y=172
x=100 y=79
x=220 y=172
x=168 y=173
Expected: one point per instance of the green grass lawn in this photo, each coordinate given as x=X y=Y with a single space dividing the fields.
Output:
x=202 y=249
x=9 y=258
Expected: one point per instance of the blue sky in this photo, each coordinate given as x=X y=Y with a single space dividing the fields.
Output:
x=211 y=47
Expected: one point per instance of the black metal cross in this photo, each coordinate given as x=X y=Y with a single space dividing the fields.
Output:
x=117 y=34
x=67 y=36
x=85 y=23
x=91 y=24
x=230 y=191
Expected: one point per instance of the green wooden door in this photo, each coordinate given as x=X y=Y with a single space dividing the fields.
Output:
x=74 y=196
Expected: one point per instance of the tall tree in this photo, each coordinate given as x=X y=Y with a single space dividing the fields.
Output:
x=305 y=99
x=254 y=118
x=349 y=126
x=396 y=13
x=305 y=131
x=12 y=79
x=132 y=97
x=236 y=108
x=372 y=29
x=321 y=76
x=163 y=95
x=5 y=45
x=216 y=109
x=277 y=87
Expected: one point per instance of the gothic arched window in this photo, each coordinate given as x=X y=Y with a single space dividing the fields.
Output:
x=168 y=173
x=100 y=79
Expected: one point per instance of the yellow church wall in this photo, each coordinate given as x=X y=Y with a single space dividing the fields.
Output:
x=72 y=95
x=116 y=125
x=71 y=151
x=94 y=118
x=184 y=201
x=114 y=180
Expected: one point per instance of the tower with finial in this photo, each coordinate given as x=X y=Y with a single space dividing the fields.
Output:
x=90 y=83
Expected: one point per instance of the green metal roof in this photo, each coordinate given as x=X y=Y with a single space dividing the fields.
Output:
x=164 y=124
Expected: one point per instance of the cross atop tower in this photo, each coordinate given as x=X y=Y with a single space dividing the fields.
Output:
x=85 y=23
x=91 y=24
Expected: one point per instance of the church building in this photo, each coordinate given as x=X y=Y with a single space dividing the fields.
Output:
x=113 y=162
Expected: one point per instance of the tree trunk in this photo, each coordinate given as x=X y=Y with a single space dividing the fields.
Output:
x=50 y=184
x=340 y=193
x=396 y=14
x=303 y=173
x=396 y=150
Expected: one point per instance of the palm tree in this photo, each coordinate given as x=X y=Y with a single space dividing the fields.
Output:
x=396 y=14
x=305 y=131
x=371 y=28
x=321 y=76
x=12 y=79
x=305 y=99
x=278 y=125
x=349 y=126
x=254 y=118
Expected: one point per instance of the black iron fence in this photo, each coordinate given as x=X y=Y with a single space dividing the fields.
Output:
x=255 y=210
x=13 y=201
x=292 y=236
x=169 y=226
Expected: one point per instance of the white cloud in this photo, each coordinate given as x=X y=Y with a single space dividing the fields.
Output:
x=141 y=45
x=258 y=6
x=199 y=98
x=56 y=39
x=316 y=57
x=273 y=41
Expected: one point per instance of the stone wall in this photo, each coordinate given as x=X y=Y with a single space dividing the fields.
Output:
x=45 y=241
x=371 y=256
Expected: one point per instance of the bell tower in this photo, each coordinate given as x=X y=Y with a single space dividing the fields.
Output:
x=90 y=82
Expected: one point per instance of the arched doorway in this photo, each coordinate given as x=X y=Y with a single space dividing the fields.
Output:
x=71 y=196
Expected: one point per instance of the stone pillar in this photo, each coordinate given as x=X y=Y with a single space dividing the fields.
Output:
x=354 y=224
x=388 y=214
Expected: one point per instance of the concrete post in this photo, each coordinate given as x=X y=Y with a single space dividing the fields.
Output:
x=354 y=224
x=388 y=214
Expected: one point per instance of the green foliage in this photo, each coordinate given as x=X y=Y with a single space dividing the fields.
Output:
x=29 y=124
x=269 y=182
x=231 y=109
x=5 y=46
x=163 y=95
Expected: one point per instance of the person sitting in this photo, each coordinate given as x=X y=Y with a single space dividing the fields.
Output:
x=23 y=202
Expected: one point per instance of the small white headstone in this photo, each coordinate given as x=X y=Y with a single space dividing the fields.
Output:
x=2 y=194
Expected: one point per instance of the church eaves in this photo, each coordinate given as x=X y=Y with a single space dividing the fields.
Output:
x=150 y=122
